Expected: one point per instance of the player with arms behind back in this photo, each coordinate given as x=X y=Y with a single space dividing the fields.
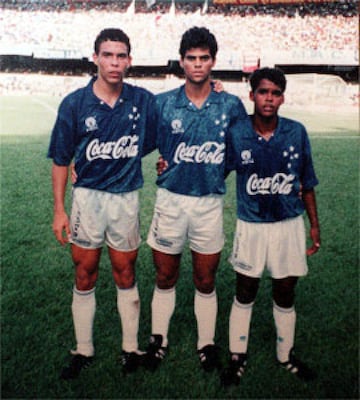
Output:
x=275 y=184
x=106 y=127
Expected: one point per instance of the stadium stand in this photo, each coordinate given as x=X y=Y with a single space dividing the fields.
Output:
x=52 y=37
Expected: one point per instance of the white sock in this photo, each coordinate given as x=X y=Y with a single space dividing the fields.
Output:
x=162 y=308
x=205 y=307
x=128 y=304
x=83 y=310
x=239 y=326
x=285 y=320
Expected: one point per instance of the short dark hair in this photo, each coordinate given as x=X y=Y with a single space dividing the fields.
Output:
x=198 y=38
x=114 y=35
x=274 y=75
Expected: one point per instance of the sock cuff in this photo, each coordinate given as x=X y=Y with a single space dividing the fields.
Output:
x=282 y=309
x=164 y=291
x=242 y=305
x=83 y=292
x=205 y=295
x=134 y=287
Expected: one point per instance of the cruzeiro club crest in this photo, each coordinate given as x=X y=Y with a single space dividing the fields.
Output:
x=176 y=126
x=246 y=157
x=91 y=124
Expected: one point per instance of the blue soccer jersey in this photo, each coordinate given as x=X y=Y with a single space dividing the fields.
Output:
x=193 y=140
x=106 y=143
x=270 y=174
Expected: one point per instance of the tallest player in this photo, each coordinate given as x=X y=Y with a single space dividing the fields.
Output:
x=193 y=125
x=106 y=127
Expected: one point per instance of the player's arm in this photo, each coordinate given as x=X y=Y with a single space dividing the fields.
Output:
x=61 y=225
x=309 y=200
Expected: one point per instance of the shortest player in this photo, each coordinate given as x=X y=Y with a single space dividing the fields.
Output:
x=275 y=184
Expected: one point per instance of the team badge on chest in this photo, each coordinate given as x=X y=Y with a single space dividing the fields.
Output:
x=91 y=124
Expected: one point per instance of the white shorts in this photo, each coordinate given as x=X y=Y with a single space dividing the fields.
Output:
x=99 y=217
x=279 y=246
x=178 y=218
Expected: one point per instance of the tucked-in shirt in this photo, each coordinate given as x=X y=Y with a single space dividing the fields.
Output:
x=106 y=143
x=193 y=140
x=270 y=174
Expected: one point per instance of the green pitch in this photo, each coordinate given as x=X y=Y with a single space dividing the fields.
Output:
x=37 y=279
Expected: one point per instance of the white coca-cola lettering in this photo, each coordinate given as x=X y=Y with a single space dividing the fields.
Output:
x=278 y=184
x=125 y=147
x=207 y=153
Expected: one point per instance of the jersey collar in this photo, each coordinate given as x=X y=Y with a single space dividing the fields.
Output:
x=182 y=100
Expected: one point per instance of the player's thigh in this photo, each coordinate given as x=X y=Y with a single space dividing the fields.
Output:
x=167 y=268
x=204 y=270
x=206 y=233
x=168 y=230
x=86 y=263
x=123 y=267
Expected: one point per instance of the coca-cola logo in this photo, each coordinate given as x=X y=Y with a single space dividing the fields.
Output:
x=280 y=183
x=125 y=147
x=207 y=153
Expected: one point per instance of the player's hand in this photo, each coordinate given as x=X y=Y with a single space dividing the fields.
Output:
x=61 y=227
x=73 y=173
x=315 y=237
x=161 y=165
x=218 y=86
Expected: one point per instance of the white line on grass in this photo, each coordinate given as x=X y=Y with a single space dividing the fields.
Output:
x=334 y=137
x=45 y=105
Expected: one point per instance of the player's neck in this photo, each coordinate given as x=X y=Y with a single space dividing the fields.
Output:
x=109 y=93
x=197 y=93
x=264 y=127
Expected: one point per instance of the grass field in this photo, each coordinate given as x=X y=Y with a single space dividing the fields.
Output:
x=37 y=279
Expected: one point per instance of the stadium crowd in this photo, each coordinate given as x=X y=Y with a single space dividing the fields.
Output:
x=308 y=32
x=346 y=8
x=262 y=31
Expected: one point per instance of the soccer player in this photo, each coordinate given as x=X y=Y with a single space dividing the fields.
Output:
x=275 y=184
x=193 y=125
x=102 y=127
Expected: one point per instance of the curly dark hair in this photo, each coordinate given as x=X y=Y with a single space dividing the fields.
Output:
x=274 y=75
x=198 y=38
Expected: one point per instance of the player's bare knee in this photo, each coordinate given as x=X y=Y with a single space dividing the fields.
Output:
x=204 y=284
x=165 y=280
x=246 y=289
x=124 y=278
x=85 y=281
x=283 y=298
x=284 y=292
x=85 y=276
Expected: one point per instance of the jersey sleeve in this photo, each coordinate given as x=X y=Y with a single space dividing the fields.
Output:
x=62 y=141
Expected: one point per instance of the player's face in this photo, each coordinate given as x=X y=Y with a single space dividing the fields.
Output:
x=197 y=64
x=112 y=61
x=268 y=97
